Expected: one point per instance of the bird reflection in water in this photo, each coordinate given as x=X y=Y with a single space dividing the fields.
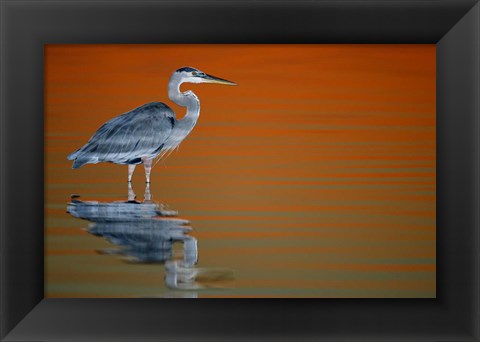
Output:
x=146 y=233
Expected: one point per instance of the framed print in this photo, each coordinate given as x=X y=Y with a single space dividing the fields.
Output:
x=326 y=188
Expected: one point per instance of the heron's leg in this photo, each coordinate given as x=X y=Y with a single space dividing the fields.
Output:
x=131 y=169
x=147 y=163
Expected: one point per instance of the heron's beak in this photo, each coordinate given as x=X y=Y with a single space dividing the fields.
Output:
x=212 y=79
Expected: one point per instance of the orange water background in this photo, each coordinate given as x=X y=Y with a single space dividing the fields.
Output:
x=314 y=177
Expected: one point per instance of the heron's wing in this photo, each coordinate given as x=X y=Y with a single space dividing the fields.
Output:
x=127 y=138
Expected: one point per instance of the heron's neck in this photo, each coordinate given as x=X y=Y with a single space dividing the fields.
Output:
x=187 y=99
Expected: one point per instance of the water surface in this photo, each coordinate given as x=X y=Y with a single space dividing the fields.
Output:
x=315 y=177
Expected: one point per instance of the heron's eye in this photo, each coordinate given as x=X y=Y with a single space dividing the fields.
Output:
x=194 y=73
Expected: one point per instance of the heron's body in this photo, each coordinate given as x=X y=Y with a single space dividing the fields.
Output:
x=128 y=138
x=146 y=132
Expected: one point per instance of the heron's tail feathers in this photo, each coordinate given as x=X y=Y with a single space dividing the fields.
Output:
x=84 y=155
x=74 y=155
x=80 y=159
x=79 y=162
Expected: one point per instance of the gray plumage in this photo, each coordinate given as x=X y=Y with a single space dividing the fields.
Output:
x=127 y=138
x=149 y=131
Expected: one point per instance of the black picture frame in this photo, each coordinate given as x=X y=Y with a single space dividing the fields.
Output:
x=27 y=25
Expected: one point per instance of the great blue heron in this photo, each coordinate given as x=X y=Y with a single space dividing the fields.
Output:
x=149 y=131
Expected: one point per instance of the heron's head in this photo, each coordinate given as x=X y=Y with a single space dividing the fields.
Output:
x=192 y=75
